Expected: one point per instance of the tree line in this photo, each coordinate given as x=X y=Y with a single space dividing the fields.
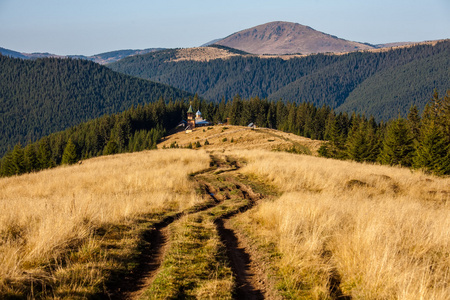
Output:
x=420 y=141
x=135 y=129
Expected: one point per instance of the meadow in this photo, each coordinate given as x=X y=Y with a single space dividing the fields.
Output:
x=50 y=220
x=329 y=229
x=348 y=229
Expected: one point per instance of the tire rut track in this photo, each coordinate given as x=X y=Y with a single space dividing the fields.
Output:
x=155 y=244
x=249 y=285
x=156 y=240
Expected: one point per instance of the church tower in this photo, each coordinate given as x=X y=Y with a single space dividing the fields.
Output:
x=190 y=118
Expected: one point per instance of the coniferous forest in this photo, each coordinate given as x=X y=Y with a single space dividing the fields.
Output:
x=39 y=97
x=420 y=141
x=383 y=84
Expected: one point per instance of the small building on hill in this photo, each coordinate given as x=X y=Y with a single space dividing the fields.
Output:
x=190 y=118
x=196 y=121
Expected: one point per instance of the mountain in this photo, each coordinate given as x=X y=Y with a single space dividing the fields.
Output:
x=413 y=72
x=210 y=43
x=288 y=38
x=109 y=57
x=38 y=97
x=11 y=53
x=102 y=58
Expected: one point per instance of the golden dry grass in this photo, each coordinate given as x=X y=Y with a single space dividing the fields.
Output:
x=379 y=232
x=240 y=138
x=202 y=54
x=47 y=215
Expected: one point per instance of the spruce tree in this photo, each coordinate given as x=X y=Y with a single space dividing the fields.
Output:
x=111 y=148
x=121 y=132
x=398 y=146
x=31 y=159
x=335 y=147
x=44 y=154
x=373 y=140
x=70 y=153
x=414 y=122
x=235 y=110
x=433 y=145
x=432 y=150
x=356 y=142
x=363 y=141
x=18 y=160
x=444 y=114
x=7 y=165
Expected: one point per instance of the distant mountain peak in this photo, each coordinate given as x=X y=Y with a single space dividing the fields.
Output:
x=280 y=37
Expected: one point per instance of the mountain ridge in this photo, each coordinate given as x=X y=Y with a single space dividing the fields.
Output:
x=287 y=38
x=101 y=58
x=285 y=34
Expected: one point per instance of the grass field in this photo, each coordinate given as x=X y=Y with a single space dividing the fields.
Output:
x=317 y=228
x=343 y=228
x=49 y=220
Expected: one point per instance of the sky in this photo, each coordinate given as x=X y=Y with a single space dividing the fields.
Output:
x=88 y=27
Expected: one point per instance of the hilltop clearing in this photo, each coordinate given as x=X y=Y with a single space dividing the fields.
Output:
x=203 y=54
x=221 y=138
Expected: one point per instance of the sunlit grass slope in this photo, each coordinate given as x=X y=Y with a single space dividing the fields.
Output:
x=230 y=137
x=344 y=228
x=338 y=228
x=49 y=220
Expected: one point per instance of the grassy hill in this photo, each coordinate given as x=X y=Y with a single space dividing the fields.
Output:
x=320 y=79
x=221 y=138
x=226 y=220
x=38 y=97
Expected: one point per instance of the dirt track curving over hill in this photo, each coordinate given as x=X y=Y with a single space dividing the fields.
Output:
x=230 y=194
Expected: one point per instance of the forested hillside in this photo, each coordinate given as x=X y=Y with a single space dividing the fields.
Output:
x=319 y=79
x=420 y=141
x=392 y=91
x=135 y=129
x=38 y=97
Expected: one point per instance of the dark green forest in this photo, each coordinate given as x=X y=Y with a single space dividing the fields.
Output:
x=383 y=84
x=135 y=129
x=39 y=97
x=420 y=141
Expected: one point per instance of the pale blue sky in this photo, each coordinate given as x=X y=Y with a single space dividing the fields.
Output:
x=94 y=26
